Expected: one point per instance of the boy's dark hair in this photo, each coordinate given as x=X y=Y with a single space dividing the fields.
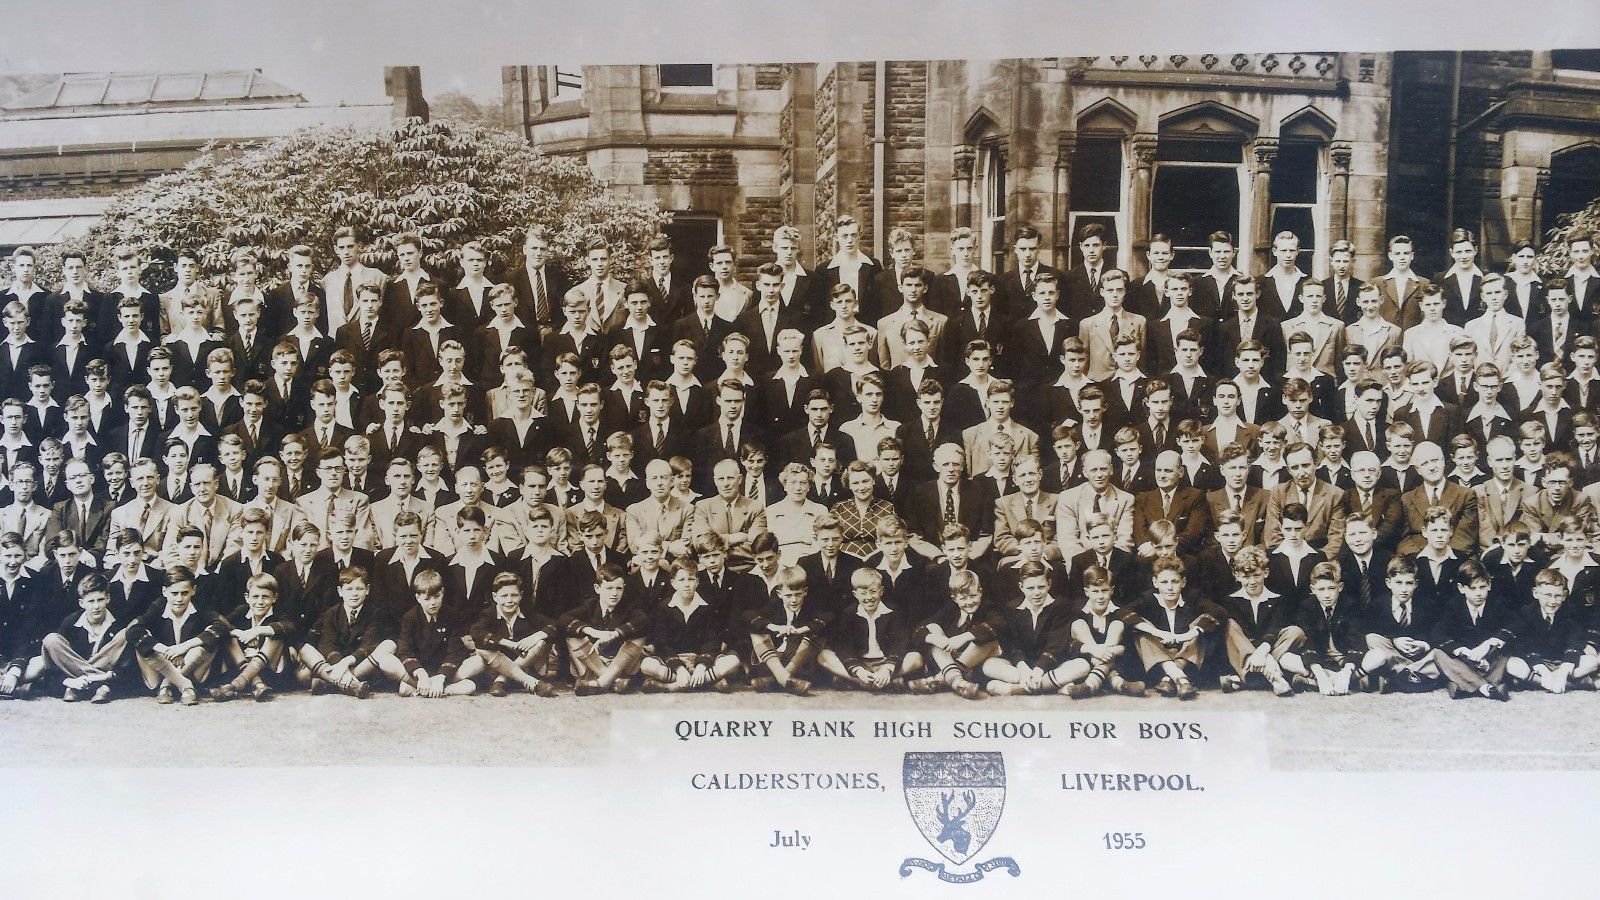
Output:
x=612 y=572
x=1096 y=576
x=505 y=579
x=92 y=583
x=354 y=574
x=1034 y=570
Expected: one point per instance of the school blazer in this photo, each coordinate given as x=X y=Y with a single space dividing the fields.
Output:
x=336 y=636
x=1077 y=505
x=1536 y=640
x=764 y=354
x=1463 y=507
x=1342 y=632
x=556 y=286
x=834 y=593
x=985 y=624
x=434 y=647
x=1325 y=515
x=1191 y=612
x=1264 y=328
x=1443 y=422
x=1454 y=627
x=1012 y=300
x=1263 y=622
x=1273 y=303
x=699 y=636
x=629 y=618
x=1380 y=618
x=1459 y=309
x=1043 y=643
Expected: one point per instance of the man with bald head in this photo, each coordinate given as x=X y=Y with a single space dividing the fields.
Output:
x=1380 y=504
x=663 y=513
x=1097 y=495
x=1436 y=490
x=731 y=514
x=1185 y=507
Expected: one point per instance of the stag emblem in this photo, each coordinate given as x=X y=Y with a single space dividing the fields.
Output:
x=955 y=799
x=954 y=830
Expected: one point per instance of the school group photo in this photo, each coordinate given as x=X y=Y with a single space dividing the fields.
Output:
x=866 y=476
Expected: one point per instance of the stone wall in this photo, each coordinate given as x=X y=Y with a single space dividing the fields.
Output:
x=707 y=166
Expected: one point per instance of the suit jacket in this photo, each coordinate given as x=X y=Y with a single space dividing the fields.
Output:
x=1325 y=515
x=1388 y=517
x=1190 y=514
x=728 y=517
x=1496 y=511
x=319 y=505
x=1272 y=302
x=975 y=441
x=1463 y=507
x=1352 y=290
x=892 y=348
x=763 y=353
x=155 y=522
x=1264 y=328
x=1075 y=507
x=924 y=511
x=557 y=284
x=707 y=342
x=1011 y=510
x=1373 y=339
x=91 y=532
x=1460 y=309
x=224 y=516
x=1253 y=510
x=1095 y=333
x=1398 y=309
x=1014 y=300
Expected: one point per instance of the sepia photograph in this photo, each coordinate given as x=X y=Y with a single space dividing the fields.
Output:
x=1125 y=418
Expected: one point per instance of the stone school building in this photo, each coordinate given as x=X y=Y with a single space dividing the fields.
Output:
x=1327 y=145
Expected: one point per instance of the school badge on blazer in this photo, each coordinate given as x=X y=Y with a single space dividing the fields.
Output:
x=956 y=799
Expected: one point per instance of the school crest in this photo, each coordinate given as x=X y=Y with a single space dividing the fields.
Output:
x=955 y=800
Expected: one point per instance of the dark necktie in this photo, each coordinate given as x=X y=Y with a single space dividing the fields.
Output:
x=983 y=320
x=1365 y=585
x=349 y=294
x=1340 y=307
x=541 y=303
x=729 y=446
x=366 y=335
x=950 y=505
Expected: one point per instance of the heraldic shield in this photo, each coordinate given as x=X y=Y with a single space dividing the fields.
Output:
x=956 y=799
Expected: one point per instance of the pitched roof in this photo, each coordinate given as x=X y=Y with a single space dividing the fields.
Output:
x=81 y=91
